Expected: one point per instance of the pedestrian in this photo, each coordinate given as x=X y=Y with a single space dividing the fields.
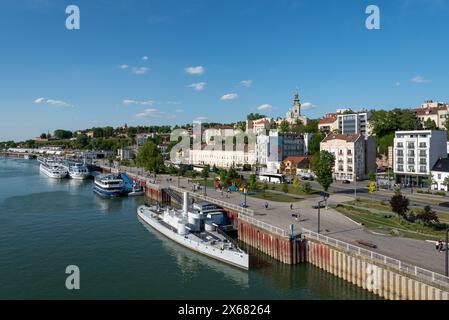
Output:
x=437 y=245
x=441 y=246
x=291 y=206
x=266 y=205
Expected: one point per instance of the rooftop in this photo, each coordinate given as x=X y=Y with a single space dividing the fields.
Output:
x=442 y=165
x=344 y=137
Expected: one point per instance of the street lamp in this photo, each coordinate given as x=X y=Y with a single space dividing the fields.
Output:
x=245 y=191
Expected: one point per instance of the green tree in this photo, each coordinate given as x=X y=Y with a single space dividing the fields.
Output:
x=63 y=134
x=314 y=143
x=82 y=141
x=150 y=158
x=446 y=182
x=306 y=188
x=255 y=116
x=43 y=136
x=372 y=176
x=108 y=132
x=430 y=124
x=323 y=167
x=284 y=126
x=399 y=203
x=285 y=188
x=252 y=182
x=265 y=186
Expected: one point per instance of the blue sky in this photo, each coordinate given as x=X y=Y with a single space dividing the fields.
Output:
x=53 y=78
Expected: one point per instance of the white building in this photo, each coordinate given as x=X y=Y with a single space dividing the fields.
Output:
x=415 y=153
x=222 y=158
x=435 y=111
x=354 y=155
x=346 y=122
x=440 y=172
x=126 y=153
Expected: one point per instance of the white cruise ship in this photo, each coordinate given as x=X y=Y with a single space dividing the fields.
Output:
x=195 y=231
x=52 y=168
x=78 y=171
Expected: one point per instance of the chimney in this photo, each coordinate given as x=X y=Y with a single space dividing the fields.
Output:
x=185 y=206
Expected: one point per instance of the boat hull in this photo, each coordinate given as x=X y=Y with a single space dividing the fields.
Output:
x=54 y=175
x=106 y=193
x=236 y=259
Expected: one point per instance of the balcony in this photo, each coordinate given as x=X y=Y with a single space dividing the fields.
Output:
x=410 y=145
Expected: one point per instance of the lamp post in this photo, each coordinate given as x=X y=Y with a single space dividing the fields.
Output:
x=245 y=191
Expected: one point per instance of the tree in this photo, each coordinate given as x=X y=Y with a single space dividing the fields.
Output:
x=255 y=116
x=306 y=188
x=446 y=182
x=205 y=172
x=82 y=141
x=265 y=186
x=62 y=134
x=150 y=158
x=428 y=216
x=314 y=143
x=284 y=126
x=430 y=124
x=285 y=188
x=43 y=136
x=323 y=166
x=372 y=176
x=399 y=203
x=252 y=182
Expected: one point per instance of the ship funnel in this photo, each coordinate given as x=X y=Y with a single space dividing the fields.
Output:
x=185 y=206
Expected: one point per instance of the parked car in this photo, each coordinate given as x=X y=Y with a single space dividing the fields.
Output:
x=346 y=182
x=321 y=206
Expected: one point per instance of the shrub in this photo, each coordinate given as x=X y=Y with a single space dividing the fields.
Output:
x=428 y=216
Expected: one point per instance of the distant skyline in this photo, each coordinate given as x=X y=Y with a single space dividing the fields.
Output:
x=170 y=62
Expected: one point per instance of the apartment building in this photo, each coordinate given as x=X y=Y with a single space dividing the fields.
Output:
x=415 y=154
x=346 y=122
x=355 y=156
x=435 y=111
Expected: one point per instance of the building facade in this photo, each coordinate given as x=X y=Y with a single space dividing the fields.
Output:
x=355 y=156
x=440 y=175
x=435 y=111
x=346 y=122
x=415 y=153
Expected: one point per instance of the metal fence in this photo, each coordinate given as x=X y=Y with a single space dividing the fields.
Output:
x=264 y=225
x=420 y=273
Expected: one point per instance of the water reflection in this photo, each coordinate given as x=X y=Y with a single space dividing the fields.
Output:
x=188 y=261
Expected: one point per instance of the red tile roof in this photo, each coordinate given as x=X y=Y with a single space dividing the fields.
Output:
x=344 y=137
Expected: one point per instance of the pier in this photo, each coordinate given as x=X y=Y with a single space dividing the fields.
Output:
x=413 y=274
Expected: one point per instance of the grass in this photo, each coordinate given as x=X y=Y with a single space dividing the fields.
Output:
x=389 y=223
x=291 y=189
x=385 y=207
x=269 y=196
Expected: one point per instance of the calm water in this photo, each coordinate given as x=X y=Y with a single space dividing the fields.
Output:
x=46 y=225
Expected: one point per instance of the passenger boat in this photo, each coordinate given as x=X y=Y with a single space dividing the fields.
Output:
x=194 y=231
x=109 y=185
x=78 y=171
x=52 y=168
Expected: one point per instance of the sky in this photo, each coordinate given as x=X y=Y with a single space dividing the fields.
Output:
x=176 y=61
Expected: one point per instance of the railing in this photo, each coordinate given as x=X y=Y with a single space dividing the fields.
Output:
x=265 y=226
x=218 y=202
x=415 y=271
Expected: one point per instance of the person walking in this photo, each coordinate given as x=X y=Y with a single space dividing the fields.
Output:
x=266 y=205
x=291 y=206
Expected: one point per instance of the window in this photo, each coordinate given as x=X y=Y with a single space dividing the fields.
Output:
x=349 y=152
x=422 y=153
x=411 y=153
x=400 y=160
x=411 y=168
x=411 y=145
x=411 y=160
x=400 y=153
x=400 y=168
x=422 y=169
x=439 y=176
x=349 y=160
x=422 y=161
x=399 y=145
x=423 y=145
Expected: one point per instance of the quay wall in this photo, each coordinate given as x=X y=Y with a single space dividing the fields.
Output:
x=380 y=279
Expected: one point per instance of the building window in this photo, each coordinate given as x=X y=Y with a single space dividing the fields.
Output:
x=439 y=176
x=411 y=145
x=422 y=169
x=411 y=153
x=411 y=168
x=411 y=160
x=400 y=168
x=399 y=145
x=400 y=153
x=400 y=160
x=422 y=153
x=423 y=145
x=422 y=161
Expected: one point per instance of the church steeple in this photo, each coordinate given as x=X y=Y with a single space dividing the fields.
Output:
x=297 y=104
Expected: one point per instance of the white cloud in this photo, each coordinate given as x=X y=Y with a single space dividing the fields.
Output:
x=52 y=102
x=397 y=84
x=265 y=107
x=139 y=70
x=145 y=58
x=199 y=70
x=201 y=118
x=128 y=102
x=419 y=79
x=198 y=86
x=124 y=66
x=229 y=96
x=150 y=113
x=246 y=83
x=307 y=105
x=179 y=110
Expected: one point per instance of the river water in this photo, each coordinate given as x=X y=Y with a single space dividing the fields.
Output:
x=46 y=225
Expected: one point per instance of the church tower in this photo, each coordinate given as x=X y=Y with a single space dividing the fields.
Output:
x=296 y=105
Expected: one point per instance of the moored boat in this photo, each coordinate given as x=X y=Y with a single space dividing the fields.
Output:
x=195 y=231
x=52 y=168
x=109 y=186
x=78 y=171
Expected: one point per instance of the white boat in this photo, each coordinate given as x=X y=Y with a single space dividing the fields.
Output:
x=78 y=171
x=109 y=185
x=137 y=190
x=194 y=231
x=52 y=168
